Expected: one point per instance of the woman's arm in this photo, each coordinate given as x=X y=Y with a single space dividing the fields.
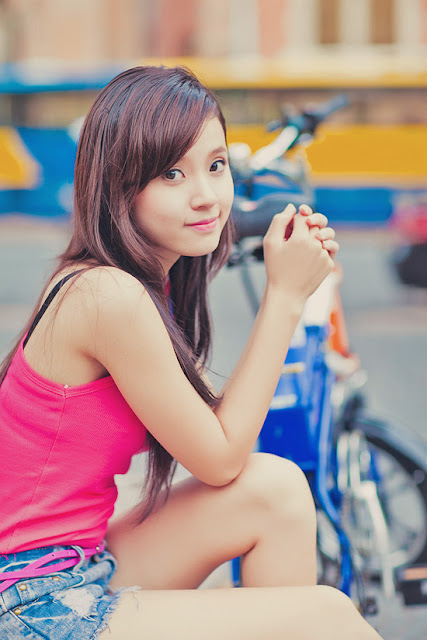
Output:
x=293 y=273
x=247 y=394
x=129 y=338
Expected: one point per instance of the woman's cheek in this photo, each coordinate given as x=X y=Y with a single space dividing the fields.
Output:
x=228 y=197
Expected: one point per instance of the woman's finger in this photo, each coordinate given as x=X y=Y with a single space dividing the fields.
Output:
x=300 y=228
x=280 y=222
x=317 y=220
x=325 y=234
x=290 y=208
x=305 y=210
x=331 y=246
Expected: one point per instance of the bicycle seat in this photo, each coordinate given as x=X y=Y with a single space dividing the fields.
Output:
x=252 y=217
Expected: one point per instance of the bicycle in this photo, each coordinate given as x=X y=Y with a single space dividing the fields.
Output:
x=318 y=417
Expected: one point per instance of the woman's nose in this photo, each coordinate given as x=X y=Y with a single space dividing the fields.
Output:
x=203 y=195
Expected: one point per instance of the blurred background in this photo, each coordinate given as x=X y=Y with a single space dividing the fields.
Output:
x=256 y=54
x=367 y=164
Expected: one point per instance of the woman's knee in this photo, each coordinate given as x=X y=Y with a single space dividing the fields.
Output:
x=277 y=483
x=334 y=605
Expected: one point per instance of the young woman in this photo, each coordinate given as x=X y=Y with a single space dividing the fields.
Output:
x=112 y=363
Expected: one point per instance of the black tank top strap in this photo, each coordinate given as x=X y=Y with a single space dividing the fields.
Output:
x=47 y=302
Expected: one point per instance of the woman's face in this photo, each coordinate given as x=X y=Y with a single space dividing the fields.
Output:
x=183 y=212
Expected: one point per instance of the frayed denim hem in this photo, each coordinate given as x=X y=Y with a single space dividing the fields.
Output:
x=64 y=605
x=104 y=624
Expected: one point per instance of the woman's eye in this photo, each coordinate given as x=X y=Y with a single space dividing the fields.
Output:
x=172 y=174
x=218 y=165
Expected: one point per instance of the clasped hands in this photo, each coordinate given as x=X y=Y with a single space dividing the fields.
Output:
x=318 y=225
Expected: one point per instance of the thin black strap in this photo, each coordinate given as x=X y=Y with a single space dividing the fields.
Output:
x=47 y=302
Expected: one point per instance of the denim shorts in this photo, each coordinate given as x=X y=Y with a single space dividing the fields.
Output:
x=74 y=604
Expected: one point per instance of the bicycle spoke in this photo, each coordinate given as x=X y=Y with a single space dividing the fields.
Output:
x=404 y=510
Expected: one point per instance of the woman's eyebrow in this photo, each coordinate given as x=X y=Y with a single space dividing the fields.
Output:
x=220 y=149
x=214 y=152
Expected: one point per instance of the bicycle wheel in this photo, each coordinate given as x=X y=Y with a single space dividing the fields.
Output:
x=402 y=489
x=399 y=461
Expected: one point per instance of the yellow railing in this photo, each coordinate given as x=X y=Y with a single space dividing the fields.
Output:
x=357 y=153
x=18 y=169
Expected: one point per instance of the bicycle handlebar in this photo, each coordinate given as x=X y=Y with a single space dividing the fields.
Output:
x=309 y=119
x=252 y=218
x=337 y=102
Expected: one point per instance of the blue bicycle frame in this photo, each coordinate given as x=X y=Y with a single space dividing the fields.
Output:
x=298 y=426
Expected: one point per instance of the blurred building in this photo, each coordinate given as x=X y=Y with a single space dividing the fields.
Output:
x=256 y=55
x=98 y=31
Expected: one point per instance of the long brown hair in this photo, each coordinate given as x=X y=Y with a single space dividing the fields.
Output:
x=139 y=126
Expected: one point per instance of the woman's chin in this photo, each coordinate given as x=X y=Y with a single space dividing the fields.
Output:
x=203 y=247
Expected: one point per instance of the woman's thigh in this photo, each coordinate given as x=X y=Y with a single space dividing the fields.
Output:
x=200 y=527
x=273 y=613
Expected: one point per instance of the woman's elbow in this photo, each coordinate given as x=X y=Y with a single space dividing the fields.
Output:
x=220 y=474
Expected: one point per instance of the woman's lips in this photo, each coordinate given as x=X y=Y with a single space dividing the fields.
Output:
x=204 y=225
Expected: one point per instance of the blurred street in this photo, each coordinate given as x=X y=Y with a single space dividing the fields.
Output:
x=348 y=81
x=387 y=326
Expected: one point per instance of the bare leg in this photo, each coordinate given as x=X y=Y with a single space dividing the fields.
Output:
x=266 y=515
x=276 y=613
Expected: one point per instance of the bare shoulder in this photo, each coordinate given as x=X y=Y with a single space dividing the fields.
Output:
x=110 y=281
x=114 y=293
x=119 y=310
x=104 y=302
x=106 y=289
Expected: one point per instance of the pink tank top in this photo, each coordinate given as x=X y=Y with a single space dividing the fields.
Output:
x=60 y=449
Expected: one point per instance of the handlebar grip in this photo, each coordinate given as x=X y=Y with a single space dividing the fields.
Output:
x=252 y=219
x=274 y=125
x=308 y=120
x=337 y=102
